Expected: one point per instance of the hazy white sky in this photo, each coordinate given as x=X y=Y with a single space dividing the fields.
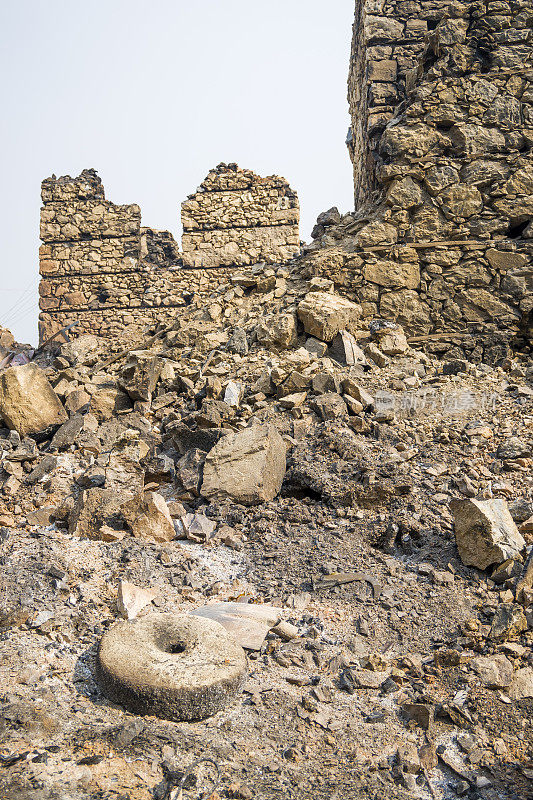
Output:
x=153 y=93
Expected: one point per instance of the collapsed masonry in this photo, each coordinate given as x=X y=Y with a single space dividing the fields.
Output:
x=441 y=100
x=102 y=270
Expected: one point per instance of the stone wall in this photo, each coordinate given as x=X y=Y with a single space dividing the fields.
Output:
x=388 y=41
x=101 y=269
x=238 y=218
x=442 y=134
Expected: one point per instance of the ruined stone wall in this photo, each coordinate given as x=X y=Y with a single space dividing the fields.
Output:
x=101 y=269
x=443 y=230
x=388 y=41
x=238 y=218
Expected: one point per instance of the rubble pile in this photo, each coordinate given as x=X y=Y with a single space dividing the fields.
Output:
x=266 y=522
x=269 y=450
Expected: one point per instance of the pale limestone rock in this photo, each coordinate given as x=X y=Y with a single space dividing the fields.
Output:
x=405 y=193
x=323 y=315
x=522 y=685
x=247 y=467
x=461 y=201
x=28 y=404
x=248 y=624
x=149 y=518
x=376 y=233
x=131 y=599
x=277 y=331
x=106 y=401
x=392 y=341
x=233 y=394
x=345 y=350
x=485 y=532
x=496 y=671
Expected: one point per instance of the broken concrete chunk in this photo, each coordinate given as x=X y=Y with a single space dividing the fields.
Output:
x=485 y=532
x=131 y=599
x=323 y=315
x=149 y=518
x=247 y=467
x=28 y=404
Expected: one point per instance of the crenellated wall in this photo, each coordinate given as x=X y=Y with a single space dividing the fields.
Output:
x=101 y=269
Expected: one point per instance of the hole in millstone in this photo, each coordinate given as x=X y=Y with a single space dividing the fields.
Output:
x=516 y=230
x=174 y=649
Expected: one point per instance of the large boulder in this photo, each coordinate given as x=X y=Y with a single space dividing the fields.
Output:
x=485 y=532
x=323 y=315
x=247 y=467
x=28 y=404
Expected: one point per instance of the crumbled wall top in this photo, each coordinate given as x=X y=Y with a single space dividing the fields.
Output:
x=237 y=217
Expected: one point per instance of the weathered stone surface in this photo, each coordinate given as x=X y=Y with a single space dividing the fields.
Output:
x=323 y=315
x=148 y=517
x=522 y=684
x=391 y=340
x=405 y=193
x=140 y=374
x=97 y=514
x=131 y=599
x=107 y=401
x=345 y=350
x=278 y=331
x=237 y=217
x=485 y=532
x=247 y=467
x=330 y=406
x=496 y=671
x=174 y=666
x=247 y=624
x=393 y=274
x=28 y=404
x=508 y=622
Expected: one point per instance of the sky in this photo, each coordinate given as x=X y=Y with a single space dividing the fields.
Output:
x=153 y=94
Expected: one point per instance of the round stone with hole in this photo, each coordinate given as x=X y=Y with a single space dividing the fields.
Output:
x=174 y=666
